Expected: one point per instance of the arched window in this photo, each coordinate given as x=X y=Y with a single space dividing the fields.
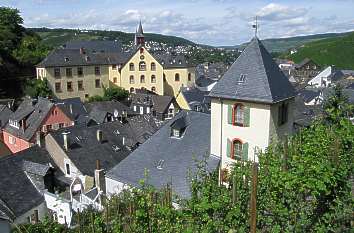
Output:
x=153 y=89
x=236 y=152
x=131 y=90
x=238 y=115
x=153 y=66
x=142 y=79
x=153 y=79
x=189 y=77
x=131 y=66
x=142 y=66
x=177 y=77
x=131 y=79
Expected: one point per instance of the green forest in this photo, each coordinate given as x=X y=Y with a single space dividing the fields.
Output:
x=338 y=51
x=302 y=184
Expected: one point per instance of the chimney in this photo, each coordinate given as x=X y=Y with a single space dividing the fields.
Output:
x=100 y=177
x=66 y=140
x=99 y=135
x=38 y=138
x=23 y=125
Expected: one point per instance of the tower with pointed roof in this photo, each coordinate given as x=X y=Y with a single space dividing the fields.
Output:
x=251 y=106
x=139 y=39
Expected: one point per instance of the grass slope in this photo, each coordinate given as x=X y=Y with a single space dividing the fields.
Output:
x=333 y=51
x=57 y=37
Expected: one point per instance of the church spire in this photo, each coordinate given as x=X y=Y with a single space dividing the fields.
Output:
x=139 y=36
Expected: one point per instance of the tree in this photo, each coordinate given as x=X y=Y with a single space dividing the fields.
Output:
x=111 y=93
x=30 y=50
x=11 y=31
x=336 y=106
x=38 y=88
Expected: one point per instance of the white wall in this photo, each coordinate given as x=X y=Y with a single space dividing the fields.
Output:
x=61 y=207
x=114 y=187
x=256 y=135
x=323 y=76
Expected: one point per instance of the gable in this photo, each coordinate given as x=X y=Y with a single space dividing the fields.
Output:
x=136 y=58
x=56 y=115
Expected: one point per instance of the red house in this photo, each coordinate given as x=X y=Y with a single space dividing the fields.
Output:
x=32 y=119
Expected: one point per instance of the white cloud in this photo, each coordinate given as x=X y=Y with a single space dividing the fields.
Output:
x=276 y=12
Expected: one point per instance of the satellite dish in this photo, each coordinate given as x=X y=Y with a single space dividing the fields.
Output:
x=115 y=113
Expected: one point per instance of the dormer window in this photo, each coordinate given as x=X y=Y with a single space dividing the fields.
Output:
x=14 y=123
x=176 y=133
x=242 y=78
x=66 y=59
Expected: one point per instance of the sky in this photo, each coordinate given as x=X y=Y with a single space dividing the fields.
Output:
x=212 y=22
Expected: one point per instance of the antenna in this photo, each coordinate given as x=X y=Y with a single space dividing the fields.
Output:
x=255 y=26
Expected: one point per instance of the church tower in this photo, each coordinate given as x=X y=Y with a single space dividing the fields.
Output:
x=251 y=106
x=139 y=39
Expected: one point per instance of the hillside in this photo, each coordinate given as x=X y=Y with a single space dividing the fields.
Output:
x=57 y=37
x=338 y=51
x=280 y=45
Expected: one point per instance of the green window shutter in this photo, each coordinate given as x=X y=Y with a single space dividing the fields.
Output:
x=245 y=151
x=229 y=114
x=228 y=150
x=247 y=116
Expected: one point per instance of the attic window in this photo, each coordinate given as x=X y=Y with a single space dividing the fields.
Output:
x=115 y=148
x=242 y=78
x=116 y=132
x=160 y=164
x=66 y=59
x=180 y=62
x=88 y=58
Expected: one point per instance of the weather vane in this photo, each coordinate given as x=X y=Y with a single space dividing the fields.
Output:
x=255 y=26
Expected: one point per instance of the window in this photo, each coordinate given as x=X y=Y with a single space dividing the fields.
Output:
x=153 y=89
x=131 y=79
x=142 y=66
x=61 y=125
x=12 y=140
x=238 y=114
x=153 y=79
x=283 y=114
x=80 y=85
x=175 y=133
x=236 y=149
x=114 y=67
x=115 y=80
x=134 y=107
x=97 y=83
x=142 y=79
x=68 y=72
x=67 y=168
x=189 y=77
x=153 y=66
x=69 y=86
x=57 y=72
x=57 y=87
x=80 y=71
x=177 y=77
x=97 y=70
x=87 y=95
x=242 y=78
x=131 y=66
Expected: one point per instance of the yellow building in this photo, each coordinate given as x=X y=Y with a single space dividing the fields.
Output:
x=84 y=68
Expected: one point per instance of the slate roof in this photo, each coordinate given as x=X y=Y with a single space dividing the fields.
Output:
x=139 y=31
x=73 y=57
x=177 y=156
x=196 y=97
x=99 y=46
x=264 y=81
x=204 y=82
x=168 y=60
x=98 y=110
x=73 y=108
x=5 y=113
x=303 y=62
x=18 y=192
x=309 y=94
x=85 y=149
x=304 y=115
x=142 y=127
x=34 y=113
